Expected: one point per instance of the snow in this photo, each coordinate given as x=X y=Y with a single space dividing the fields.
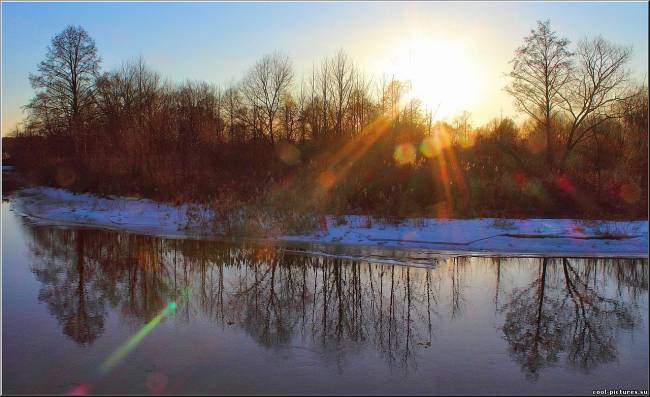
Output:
x=46 y=205
x=485 y=236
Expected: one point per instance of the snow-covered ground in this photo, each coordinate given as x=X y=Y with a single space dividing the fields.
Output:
x=480 y=236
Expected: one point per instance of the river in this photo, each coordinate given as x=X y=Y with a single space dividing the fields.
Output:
x=96 y=311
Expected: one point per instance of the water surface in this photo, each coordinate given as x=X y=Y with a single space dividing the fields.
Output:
x=94 y=311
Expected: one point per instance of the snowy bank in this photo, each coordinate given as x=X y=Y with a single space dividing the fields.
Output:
x=553 y=237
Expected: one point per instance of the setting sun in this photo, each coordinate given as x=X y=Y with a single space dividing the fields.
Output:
x=442 y=75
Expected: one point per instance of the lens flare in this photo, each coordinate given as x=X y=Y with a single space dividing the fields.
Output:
x=79 y=390
x=130 y=344
x=156 y=383
x=565 y=184
x=288 y=153
x=428 y=147
x=65 y=176
x=433 y=145
x=327 y=179
x=520 y=178
x=630 y=193
x=534 y=187
x=404 y=154
x=466 y=141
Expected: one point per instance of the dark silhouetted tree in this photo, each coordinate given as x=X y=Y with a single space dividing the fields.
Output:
x=265 y=84
x=541 y=69
x=66 y=80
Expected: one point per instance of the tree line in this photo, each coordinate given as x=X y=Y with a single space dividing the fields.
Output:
x=342 y=140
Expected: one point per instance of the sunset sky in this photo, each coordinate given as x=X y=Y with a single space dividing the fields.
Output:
x=455 y=53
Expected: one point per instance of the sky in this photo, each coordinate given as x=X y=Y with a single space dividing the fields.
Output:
x=458 y=52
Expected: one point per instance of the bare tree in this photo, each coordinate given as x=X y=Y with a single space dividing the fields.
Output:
x=46 y=115
x=302 y=111
x=596 y=87
x=462 y=125
x=289 y=112
x=128 y=98
x=265 y=84
x=65 y=79
x=360 y=103
x=324 y=87
x=314 y=118
x=232 y=99
x=342 y=74
x=541 y=69
x=392 y=94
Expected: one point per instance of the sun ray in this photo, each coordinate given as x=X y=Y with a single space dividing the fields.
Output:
x=130 y=344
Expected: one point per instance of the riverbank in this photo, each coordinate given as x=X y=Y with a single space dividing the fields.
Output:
x=546 y=237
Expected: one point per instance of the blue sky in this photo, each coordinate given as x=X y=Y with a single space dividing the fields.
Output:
x=218 y=42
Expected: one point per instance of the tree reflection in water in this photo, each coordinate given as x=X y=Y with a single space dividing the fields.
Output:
x=69 y=285
x=572 y=308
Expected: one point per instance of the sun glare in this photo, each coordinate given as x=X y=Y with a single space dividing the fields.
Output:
x=442 y=76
